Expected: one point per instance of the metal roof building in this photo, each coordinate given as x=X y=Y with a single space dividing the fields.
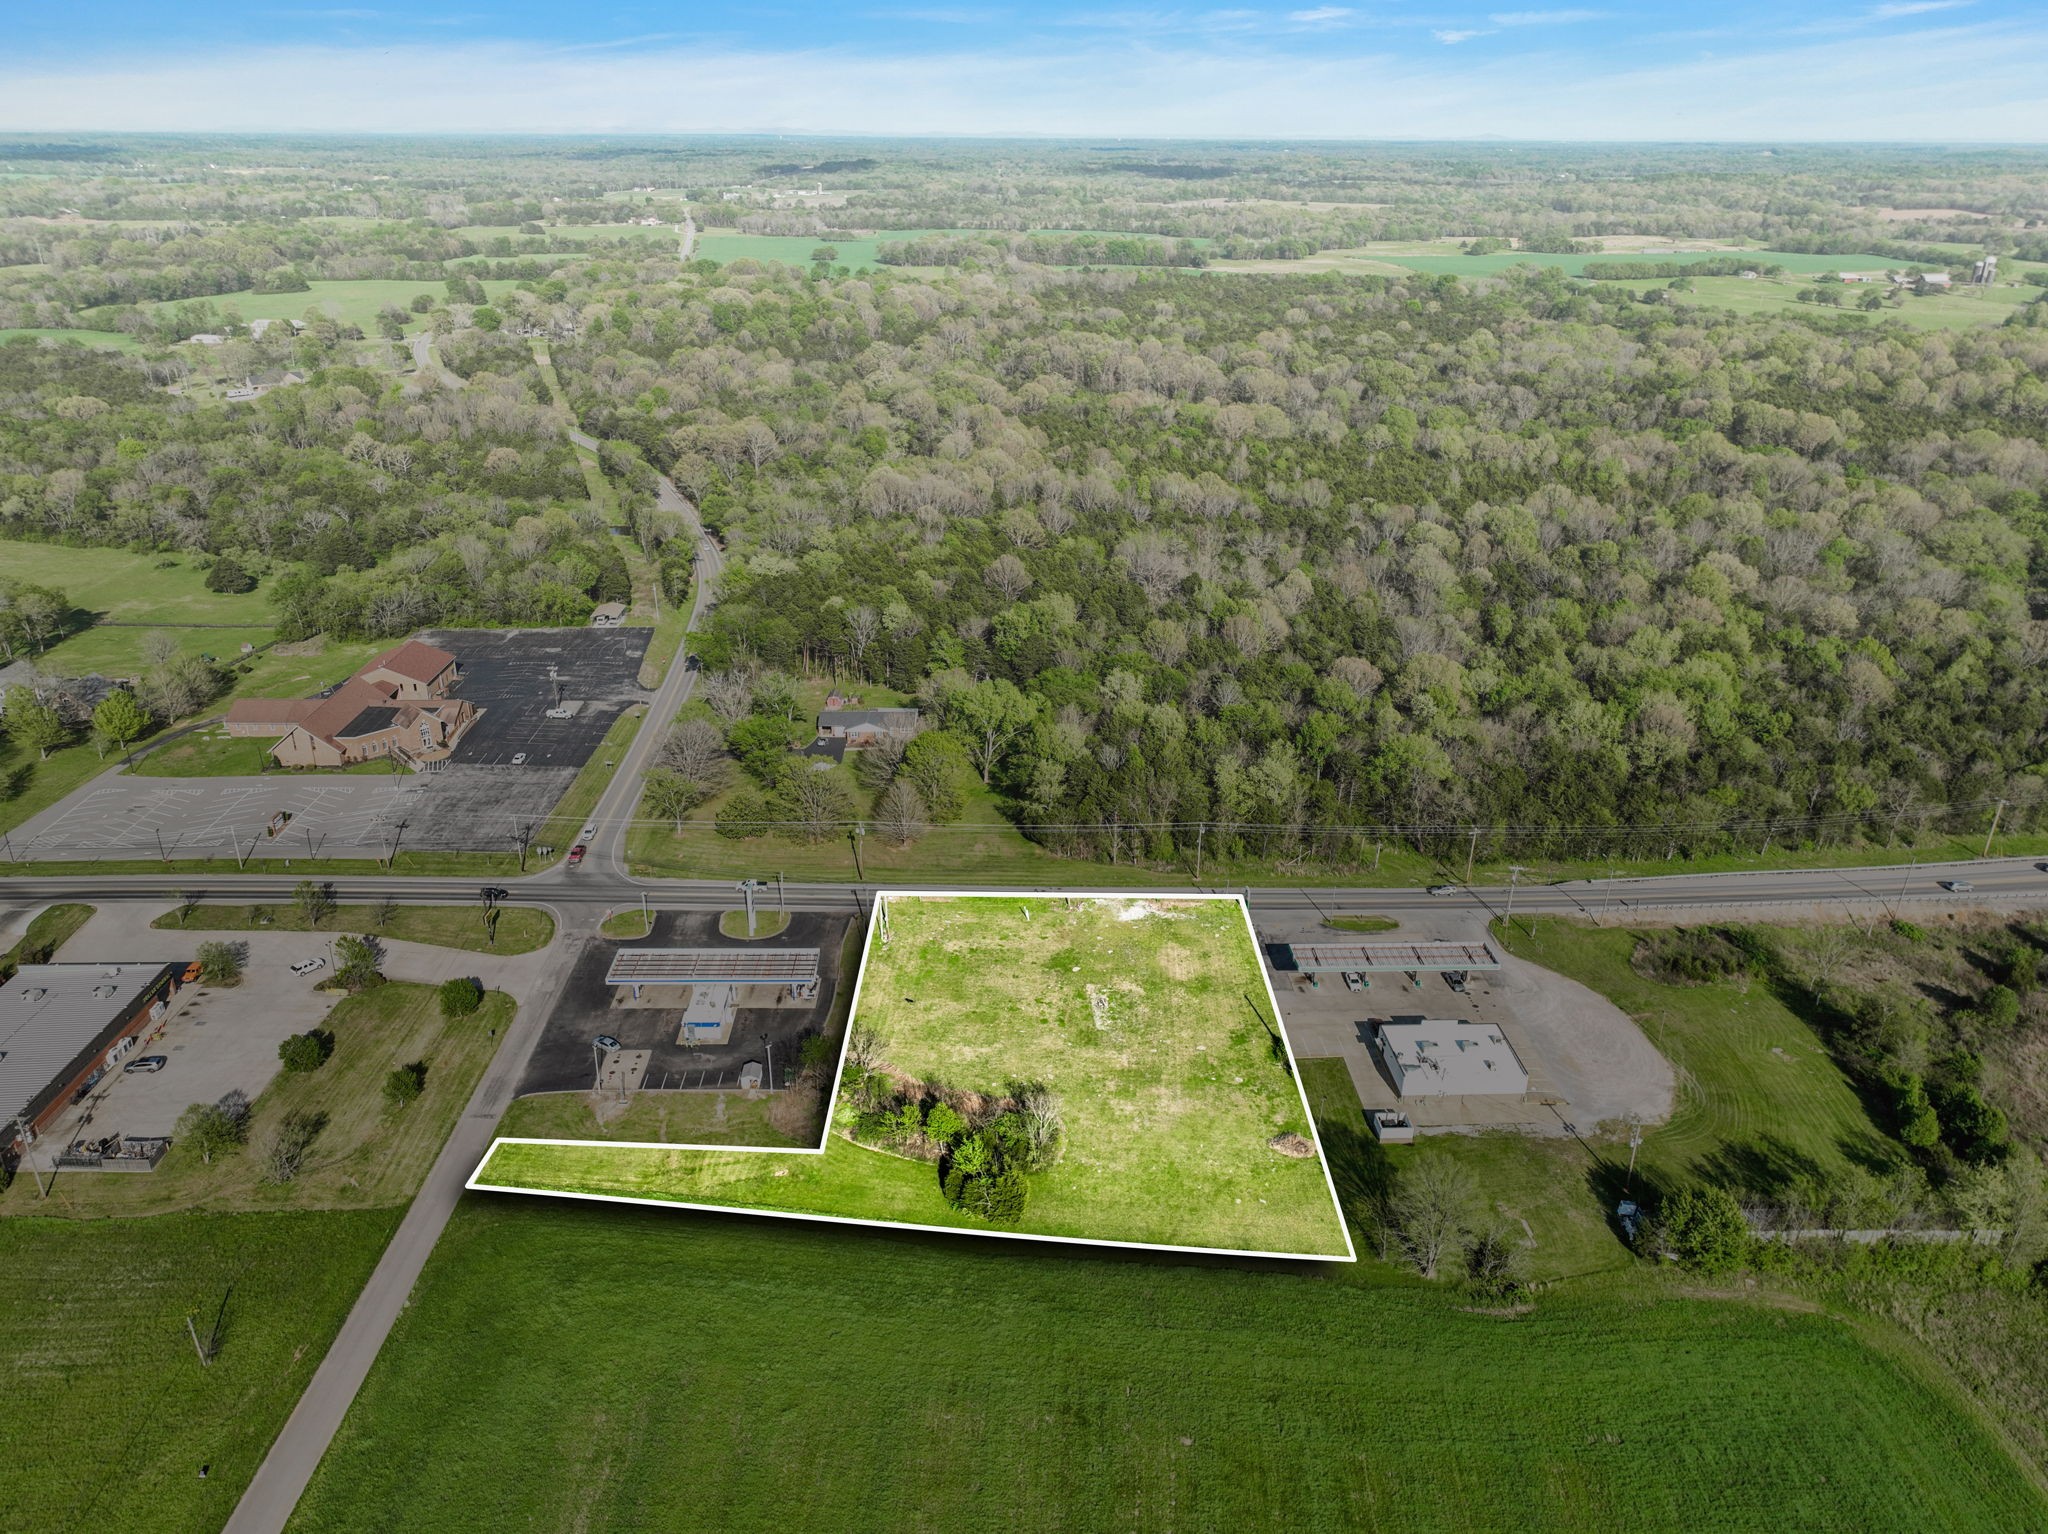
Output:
x=57 y=1021
x=1444 y=1059
x=695 y=966
x=1314 y=958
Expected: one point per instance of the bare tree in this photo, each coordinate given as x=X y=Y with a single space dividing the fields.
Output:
x=1429 y=1210
x=819 y=804
x=730 y=694
x=694 y=748
x=863 y=623
x=1008 y=578
x=900 y=813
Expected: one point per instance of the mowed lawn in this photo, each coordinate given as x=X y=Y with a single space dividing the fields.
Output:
x=355 y=301
x=516 y=928
x=110 y=1414
x=1149 y=1018
x=565 y=1367
x=116 y=586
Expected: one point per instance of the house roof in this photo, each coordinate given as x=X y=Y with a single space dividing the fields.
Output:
x=884 y=718
x=415 y=659
x=282 y=712
x=369 y=721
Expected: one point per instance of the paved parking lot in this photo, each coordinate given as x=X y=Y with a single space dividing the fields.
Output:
x=506 y=673
x=563 y=1060
x=1588 y=1062
x=478 y=801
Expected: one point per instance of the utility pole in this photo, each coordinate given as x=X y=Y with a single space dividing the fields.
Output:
x=1200 y=831
x=859 y=830
x=780 y=903
x=162 y=855
x=1995 y=816
x=747 y=888
x=1515 y=872
x=1635 y=1140
x=1471 y=852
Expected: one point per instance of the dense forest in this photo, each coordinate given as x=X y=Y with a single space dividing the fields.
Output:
x=1327 y=558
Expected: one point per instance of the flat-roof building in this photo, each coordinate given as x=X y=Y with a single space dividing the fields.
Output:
x=1447 y=1059
x=60 y=1027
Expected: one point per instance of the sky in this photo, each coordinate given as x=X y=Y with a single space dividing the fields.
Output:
x=1896 y=70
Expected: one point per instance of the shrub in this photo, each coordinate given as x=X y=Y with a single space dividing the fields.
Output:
x=944 y=1124
x=405 y=1083
x=1497 y=1264
x=974 y=1179
x=1918 y=1126
x=1908 y=931
x=1697 y=956
x=220 y=963
x=356 y=963
x=461 y=996
x=229 y=575
x=1976 y=1130
x=215 y=1128
x=1703 y=1228
x=2000 y=1007
x=306 y=1051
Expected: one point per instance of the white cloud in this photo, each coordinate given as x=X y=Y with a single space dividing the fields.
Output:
x=1457 y=34
x=1876 y=85
x=1900 y=8
x=1322 y=15
x=1542 y=18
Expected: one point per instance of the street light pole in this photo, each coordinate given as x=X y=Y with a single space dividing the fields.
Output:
x=1515 y=872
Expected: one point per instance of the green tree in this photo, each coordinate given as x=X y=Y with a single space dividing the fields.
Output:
x=1703 y=1227
x=357 y=963
x=120 y=718
x=33 y=723
x=461 y=996
x=230 y=575
x=937 y=767
x=988 y=716
x=306 y=1051
x=405 y=1083
x=220 y=963
x=215 y=1128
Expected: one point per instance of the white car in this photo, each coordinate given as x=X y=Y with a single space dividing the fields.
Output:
x=1957 y=886
x=518 y=758
x=1443 y=889
x=309 y=966
x=589 y=831
x=561 y=713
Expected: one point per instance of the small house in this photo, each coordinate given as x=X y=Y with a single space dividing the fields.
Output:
x=860 y=727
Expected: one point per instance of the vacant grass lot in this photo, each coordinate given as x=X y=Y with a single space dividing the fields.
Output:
x=115 y=586
x=615 y=1369
x=109 y=1413
x=368 y=1155
x=697 y=1118
x=48 y=931
x=354 y=302
x=211 y=753
x=113 y=340
x=1154 y=1030
x=521 y=929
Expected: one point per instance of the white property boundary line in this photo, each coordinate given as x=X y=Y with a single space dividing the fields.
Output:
x=1349 y=1253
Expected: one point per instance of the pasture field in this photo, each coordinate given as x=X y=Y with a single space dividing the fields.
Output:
x=116 y=586
x=565 y=1366
x=110 y=1413
x=368 y=1154
x=521 y=929
x=1965 y=308
x=1149 y=1018
x=113 y=340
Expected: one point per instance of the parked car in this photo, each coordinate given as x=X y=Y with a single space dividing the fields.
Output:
x=309 y=966
x=1457 y=980
x=518 y=758
x=1443 y=889
x=1957 y=886
x=576 y=854
x=146 y=1065
x=561 y=713
x=606 y=1041
x=1353 y=980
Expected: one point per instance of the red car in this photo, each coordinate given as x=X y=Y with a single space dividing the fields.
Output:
x=576 y=854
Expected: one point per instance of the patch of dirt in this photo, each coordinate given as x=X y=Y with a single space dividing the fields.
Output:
x=1300 y=1147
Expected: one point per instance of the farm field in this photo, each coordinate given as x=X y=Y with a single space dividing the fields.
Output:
x=116 y=586
x=1150 y=1019
x=984 y=1384
x=1961 y=309
x=110 y=1413
x=521 y=929
x=368 y=1154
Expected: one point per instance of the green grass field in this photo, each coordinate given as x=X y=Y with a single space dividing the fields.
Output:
x=355 y=302
x=699 y=1118
x=521 y=929
x=110 y=1414
x=1149 y=1020
x=116 y=586
x=212 y=753
x=564 y=1367
x=50 y=928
